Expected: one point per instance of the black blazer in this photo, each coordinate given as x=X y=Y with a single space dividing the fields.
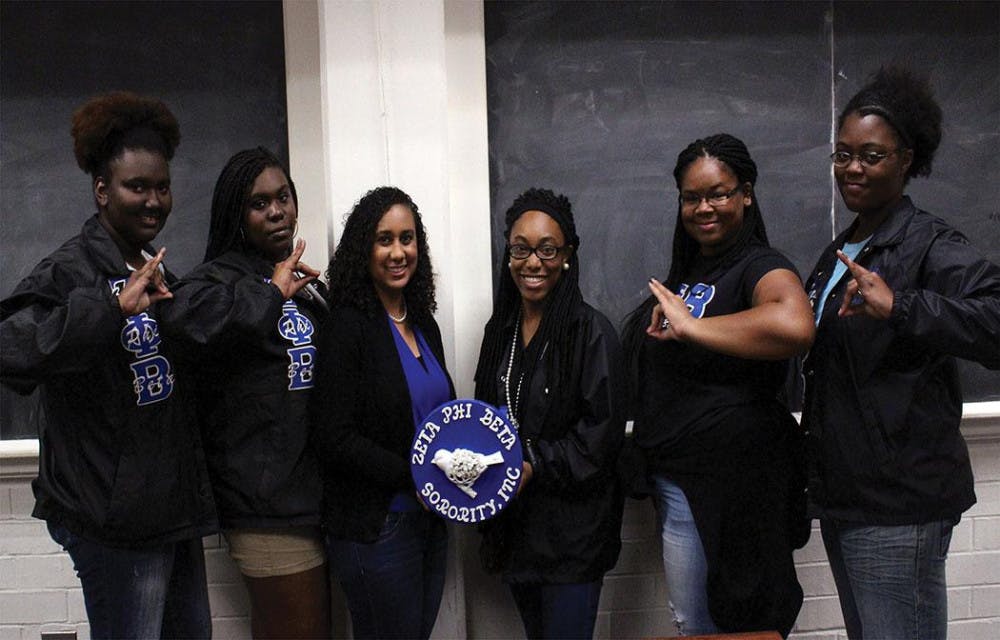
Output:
x=362 y=420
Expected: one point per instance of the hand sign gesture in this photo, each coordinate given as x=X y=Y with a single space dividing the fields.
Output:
x=144 y=287
x=290 y=275
x=669 y=316
x=866 y=292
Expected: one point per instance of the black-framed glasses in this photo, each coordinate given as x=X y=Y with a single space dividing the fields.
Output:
x=543 y=251
x=691 y=200
x=866 y=158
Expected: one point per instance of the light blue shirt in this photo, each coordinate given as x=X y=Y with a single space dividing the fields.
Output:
x=851 y=249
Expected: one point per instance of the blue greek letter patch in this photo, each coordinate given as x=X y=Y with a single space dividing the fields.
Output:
x=152 y=378
x=297 y=328
x=697 y=297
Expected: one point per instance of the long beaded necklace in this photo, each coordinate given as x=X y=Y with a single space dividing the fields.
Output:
x=513 y=403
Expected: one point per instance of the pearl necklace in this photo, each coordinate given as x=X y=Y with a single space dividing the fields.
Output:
x=512 y=405
x=401 y=319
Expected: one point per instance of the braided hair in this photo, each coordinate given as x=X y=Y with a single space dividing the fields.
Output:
x=232 y=195
x=348 y=274
x=559 y=305
x=907 y=103
x=732 y=152
x=105 y=126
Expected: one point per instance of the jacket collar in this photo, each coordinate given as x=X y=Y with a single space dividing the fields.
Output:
x=247 y=262
x=893 y=228
x=253 y=263
x=102 y=248
x=509 y=322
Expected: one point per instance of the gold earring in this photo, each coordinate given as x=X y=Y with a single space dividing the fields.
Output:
x=565 y=266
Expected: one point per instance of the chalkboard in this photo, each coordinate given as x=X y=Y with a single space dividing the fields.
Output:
x=596 y=99
x=220 y=68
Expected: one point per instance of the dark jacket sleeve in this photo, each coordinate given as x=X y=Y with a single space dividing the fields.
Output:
x=342 y=424
x=51 y=326
x=957 y=310
x=216 y=304
x=589 y=446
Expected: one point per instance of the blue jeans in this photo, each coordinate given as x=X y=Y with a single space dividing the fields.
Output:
x=890 y=579
x=158 y=592
x=558 y=610
x=393 y=585
x=683 y=561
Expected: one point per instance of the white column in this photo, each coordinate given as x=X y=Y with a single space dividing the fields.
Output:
x=402 y=86
x=307 y=153
x=468 y=271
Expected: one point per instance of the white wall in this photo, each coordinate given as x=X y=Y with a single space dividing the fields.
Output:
x=387 y=92
x=40 y=592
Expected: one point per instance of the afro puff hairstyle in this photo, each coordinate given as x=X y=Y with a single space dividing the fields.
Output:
x=907 y=103
x=106 y=125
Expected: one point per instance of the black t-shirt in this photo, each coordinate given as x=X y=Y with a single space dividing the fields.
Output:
x=692 y=400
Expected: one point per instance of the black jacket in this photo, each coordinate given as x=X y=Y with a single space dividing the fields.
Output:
x=883 y=402
x=121 y=462
x=362 y=421
x=256 y=354
x=565 y=526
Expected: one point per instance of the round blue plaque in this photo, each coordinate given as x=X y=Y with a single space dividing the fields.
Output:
x=466 y=461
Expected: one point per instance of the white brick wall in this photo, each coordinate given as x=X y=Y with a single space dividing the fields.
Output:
x=39 y=591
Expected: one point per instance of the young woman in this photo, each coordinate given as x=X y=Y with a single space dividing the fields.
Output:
x=121 y=481
x=898 y=296
x=555 y=363
x=249 y=314
x=708 y=353
x=381 y=371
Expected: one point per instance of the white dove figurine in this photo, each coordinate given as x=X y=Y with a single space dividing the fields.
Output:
x=463 y=467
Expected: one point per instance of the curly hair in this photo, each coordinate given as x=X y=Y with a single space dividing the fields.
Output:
x=106 y=125
x=232 y=195
x=732 y=152
x=560 y=304
x=348 y=274
x=907 y=103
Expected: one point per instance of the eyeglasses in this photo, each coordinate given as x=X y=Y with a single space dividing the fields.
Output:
x=544 y=251
x=866 y=158
x=713 y=199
